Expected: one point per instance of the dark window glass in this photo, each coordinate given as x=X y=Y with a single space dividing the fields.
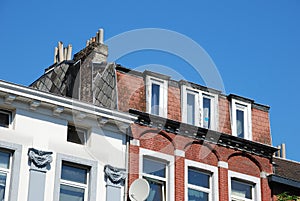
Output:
x=4 y=160
x=70 y=193
x=154 y=167
x=198 y=178
x=2 y=185
x=77 y=136
x=75 y=174
x=190 y=108
x=4 y=119
x=155 y=99
x=240 y=123
x=241 y=189
x=206 y=112
x=157 y=190
x=194 y=195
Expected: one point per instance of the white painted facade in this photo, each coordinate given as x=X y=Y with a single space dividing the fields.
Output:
x=40 y=121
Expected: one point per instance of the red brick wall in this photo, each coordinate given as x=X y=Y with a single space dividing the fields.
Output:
x=196 y=150
x=131 y=92
x=261 y=126
x=174 y=103
x=224 y=116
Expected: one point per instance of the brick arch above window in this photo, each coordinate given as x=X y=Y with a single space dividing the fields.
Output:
x=244 y=163
x=202 y=152
x=157 y=141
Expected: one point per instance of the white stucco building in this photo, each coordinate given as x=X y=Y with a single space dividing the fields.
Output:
x=54 y=148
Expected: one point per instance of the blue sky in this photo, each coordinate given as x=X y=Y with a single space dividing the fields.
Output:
x=255 y=45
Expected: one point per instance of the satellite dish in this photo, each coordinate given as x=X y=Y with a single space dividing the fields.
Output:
x=139 y=190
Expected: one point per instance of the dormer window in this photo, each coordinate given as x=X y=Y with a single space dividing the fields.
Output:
x=199 y=108
x=157 y=96
x=241 y=119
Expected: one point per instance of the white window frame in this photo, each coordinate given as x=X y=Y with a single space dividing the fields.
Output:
x=85 y=134
x=7 y=171
x=212 y=170
x=9 y=113
x=199 y=95
x=92 y=167
x=163 y=95
x=247 y=179
x=246 y=108
x=76 y=184
x=169 y=161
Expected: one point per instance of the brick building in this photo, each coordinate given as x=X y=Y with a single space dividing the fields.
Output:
x=188 y=141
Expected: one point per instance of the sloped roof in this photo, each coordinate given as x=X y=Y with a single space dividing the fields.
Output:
x=287 y=169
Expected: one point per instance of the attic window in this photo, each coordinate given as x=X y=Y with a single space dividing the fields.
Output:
x=76 y=135
x=5 y=118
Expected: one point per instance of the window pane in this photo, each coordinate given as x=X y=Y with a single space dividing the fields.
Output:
x=206 y=112
x=154 y=167
x=4 y=119
x=2 y=185
x=194 y=195
x=156 y=191
x=190 y=108
x=198 y=178
x=74 y=174
x=241 y=189
x=240 y=123
x=155 y=99
x=68 y=193
x=4 y=160
x=76 y=135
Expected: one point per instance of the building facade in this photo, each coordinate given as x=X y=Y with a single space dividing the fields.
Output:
x=87 y=129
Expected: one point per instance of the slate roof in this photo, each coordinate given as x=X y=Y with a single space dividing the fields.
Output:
x=287 y=169
x=105 y=87
x=62 y=79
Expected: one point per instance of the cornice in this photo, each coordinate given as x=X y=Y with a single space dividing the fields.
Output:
x=203 y=134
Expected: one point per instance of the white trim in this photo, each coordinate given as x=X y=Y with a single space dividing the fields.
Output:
x=67 y=103
x=179 y=152
x=199 y=95
x=170 y=178
x=135 y=142
x=184 y=91
x=247 y=178
x=163 y=95
x=223 y=164
x=246 y=108
x=214 y=188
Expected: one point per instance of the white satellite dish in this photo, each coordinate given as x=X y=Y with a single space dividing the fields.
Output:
x=139 y=190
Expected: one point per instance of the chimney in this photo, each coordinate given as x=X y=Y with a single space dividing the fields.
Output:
x=97 y=39
x=281 y=151
x=61 y=53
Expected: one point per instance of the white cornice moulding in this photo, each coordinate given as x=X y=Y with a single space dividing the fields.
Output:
x=13 y=90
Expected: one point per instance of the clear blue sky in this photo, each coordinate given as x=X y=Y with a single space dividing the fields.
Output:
x=254 y=44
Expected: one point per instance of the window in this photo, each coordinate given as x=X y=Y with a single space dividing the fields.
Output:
x=157 y=95
x=158 y=169
x=73 y=183
x=241 y=190
x=201 y=181
x=198 y=185
x=5 y=161
x=5 y=118
x=243 y=187
x=155 y=173
x=199 y=108
x=241 y=119
x=76 y=135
